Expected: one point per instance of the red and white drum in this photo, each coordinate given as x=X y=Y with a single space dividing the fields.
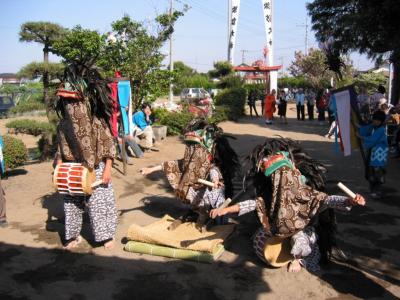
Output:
x=74 y=179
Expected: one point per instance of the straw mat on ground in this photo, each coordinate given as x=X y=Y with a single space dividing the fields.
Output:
x=185 y=236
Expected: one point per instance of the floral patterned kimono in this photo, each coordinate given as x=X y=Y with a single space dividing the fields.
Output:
x=87 y=139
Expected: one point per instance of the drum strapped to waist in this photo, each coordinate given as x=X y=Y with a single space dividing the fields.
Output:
x=74 y=179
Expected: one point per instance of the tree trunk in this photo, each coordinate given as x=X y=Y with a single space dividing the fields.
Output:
x=46 y=80
x=395 y=95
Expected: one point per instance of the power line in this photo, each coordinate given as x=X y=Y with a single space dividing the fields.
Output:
x=217 y=16
x=306 y=37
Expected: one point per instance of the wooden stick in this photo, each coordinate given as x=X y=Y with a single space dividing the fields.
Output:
x=206 y=182
x=96 y=183
x=226 y=203
x=346 y=190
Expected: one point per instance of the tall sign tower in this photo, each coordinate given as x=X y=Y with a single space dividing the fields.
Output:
x=233 y=12
x=233 y=19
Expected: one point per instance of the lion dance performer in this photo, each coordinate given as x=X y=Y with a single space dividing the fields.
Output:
x=289 y=204
x=83 y=135
x=208 y=156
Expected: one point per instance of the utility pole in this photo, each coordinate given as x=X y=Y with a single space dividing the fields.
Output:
x=306 y=36
x=281 y=59
x=171 y=63
x=243 y=55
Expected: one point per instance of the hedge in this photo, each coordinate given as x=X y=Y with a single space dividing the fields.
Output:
x=175 y=121
x=32 y=127
x=27 y=106
x=233 y=100
x=14 y=152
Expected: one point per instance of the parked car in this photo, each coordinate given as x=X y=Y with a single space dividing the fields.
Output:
x=199 y=101
x=6 y=102
x=194 y=93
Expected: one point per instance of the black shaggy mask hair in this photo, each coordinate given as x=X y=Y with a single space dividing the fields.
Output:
x=223 y=154
x=93 y=88
x=309 y=167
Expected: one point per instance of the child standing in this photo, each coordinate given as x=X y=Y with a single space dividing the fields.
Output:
x=374 y=137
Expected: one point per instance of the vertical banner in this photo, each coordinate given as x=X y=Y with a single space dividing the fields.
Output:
x=343 y=118
x=267 y=9
x=234 y=6
x=268 y=24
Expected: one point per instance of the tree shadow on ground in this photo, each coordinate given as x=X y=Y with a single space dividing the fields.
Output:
x=16 y=172
x=55 y=222
x=348 y=280
x=65 y=275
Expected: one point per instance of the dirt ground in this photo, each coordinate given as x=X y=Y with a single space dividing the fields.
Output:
x=33 y=266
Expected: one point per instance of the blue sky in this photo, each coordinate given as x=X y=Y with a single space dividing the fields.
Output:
x=200 y=37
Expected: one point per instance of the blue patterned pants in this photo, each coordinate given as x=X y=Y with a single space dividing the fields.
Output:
x=101 y=208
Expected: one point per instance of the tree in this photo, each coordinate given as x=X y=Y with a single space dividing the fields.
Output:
x=136 y=53
x=44 y=33
x=221 y=69
x=366 y=26
x=230 y=81
x=313 y=68
x=370 y=81
x=183 y=76
x=83 y=47
x=35 y=70
x=293 y=82
x=183 y=70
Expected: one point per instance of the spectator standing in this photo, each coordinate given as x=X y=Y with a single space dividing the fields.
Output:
x=262 y=102
x=282 y=105
x=269 y=109
x=310 y=104
x=251 y=101
x=143 y=127
x=322 y=104
x=300 y=104
x=378 y=98
x=3 y=217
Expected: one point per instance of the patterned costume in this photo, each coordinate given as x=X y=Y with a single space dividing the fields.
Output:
x=208 y=156
x=376 y=143
x=84 y=137
x=288 y=201
x=304 y=242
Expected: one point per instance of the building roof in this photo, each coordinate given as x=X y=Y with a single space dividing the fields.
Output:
x=8 y=75
x=262 y=68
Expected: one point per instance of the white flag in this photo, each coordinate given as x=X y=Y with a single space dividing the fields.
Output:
x=233 y=24
x=267 y=9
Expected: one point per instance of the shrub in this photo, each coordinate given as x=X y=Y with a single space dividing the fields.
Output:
x=230 y=81
x=32 y=127
x=27 y=106
x=220 y=114
x=14 y=152
x=176 y=121
x=234 y=100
